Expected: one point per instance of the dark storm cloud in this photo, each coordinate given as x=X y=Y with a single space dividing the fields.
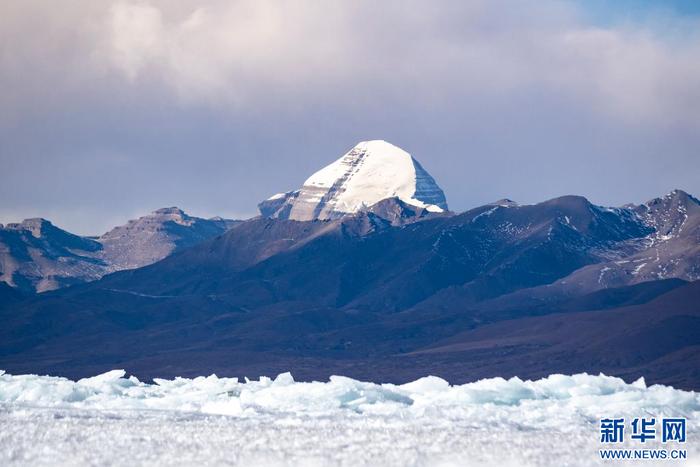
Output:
x=113 y=109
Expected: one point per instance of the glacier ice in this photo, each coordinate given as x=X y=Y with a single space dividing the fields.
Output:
x=339 y=422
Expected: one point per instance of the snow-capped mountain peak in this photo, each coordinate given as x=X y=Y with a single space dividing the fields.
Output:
x=370 y=172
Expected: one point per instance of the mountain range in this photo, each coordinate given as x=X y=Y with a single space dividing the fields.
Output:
x=388 y=285
x=36 y=256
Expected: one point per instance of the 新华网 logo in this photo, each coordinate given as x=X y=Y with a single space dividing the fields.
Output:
x=641 y=430
x=612 y=430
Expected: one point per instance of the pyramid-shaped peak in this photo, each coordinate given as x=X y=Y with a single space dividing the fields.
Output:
x=381 y=146
x=368 y=173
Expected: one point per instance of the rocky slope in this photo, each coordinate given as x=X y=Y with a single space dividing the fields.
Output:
x=372 y=292
x=36 y=256
x=151 y=238
x=672 y=249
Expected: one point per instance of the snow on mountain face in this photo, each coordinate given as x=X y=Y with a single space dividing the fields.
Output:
x=671 y=216
x=670 y=250
x=370 y=172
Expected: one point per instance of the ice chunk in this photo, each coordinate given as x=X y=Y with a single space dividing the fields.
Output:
x=343 y=421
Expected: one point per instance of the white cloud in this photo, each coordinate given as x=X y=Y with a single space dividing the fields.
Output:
x=249 y=53
x=253 y=52
x=217 y=104
x=138 y=37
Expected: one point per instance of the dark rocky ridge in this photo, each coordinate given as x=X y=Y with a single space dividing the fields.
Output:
x=380 y=290
x=37 y=256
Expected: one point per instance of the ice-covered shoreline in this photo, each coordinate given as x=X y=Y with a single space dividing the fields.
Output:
x=551 y=421
x=586 y=394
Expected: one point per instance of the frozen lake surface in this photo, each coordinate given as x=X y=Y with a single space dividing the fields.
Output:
x=113 y=420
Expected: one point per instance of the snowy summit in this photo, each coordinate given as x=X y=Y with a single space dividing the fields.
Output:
x=370 y=172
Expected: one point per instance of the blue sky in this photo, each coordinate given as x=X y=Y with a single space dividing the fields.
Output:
x=112 y=109
x=607 y=11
